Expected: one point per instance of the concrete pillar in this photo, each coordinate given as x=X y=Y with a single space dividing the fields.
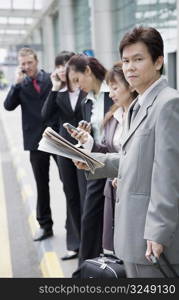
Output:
x=48 y=56
x=66 y=24
x=177 y=73
x=37 y=40
x=101 y=28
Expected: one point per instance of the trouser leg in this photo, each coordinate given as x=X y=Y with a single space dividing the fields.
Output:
x=40 y=162
x=71 y=189
x=92 y=220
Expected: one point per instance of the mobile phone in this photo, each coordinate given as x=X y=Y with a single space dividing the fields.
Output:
x=57 y=77
x=154 y=259
x=70 y=127
x=23 y=71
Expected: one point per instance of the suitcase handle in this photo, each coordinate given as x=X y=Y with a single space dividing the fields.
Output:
x=118 y=260
x=156 y=263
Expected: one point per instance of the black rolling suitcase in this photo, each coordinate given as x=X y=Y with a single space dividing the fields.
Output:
x=104 y=266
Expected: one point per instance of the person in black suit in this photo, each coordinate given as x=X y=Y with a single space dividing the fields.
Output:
x=89 y=74
x=30 y=91
x=68 y=107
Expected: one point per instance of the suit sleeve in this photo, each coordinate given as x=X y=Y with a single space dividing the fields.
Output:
x=163 y=211
x=13 y=99
x=111 y=166
x=100 y=147
x=50 y=107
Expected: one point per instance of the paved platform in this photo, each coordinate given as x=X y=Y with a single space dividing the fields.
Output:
x=50 y=250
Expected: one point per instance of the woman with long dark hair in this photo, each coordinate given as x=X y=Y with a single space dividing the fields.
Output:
x=122 y=95
x=68 y=107
x=88 y=74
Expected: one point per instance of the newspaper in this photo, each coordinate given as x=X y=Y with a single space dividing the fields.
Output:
x=53 y=142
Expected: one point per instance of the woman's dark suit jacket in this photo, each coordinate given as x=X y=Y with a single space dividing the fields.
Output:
x=60 y=102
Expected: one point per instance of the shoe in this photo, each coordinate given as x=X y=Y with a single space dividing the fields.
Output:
x=70 y=255
x=43 y=234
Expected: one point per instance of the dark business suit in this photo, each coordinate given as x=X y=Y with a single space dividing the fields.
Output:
x=31 y=102
x=92 y=219
x=74 y=181
x=109 y=192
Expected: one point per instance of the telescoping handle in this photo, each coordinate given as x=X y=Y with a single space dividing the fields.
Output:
x=156 y=262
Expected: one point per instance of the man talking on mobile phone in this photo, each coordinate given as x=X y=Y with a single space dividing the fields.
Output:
x=30 y=91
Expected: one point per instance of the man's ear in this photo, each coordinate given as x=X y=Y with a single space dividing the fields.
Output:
x=88 y=71
x=159 y=62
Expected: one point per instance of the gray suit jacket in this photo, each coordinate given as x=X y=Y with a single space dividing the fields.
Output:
x=147 y=204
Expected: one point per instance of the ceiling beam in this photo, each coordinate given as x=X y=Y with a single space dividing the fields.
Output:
x=14 y=26
x=20 y=13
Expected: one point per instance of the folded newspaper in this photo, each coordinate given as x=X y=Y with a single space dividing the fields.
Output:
x=53 y=142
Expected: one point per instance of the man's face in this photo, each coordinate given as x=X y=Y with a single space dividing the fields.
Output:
x=29 y=64
x=139 y=69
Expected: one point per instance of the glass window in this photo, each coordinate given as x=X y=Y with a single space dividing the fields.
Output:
x=82 y=25
x=160 y=14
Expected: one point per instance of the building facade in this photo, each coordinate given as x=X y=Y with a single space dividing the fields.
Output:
x=99 y=25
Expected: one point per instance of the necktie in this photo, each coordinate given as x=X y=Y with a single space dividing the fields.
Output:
x=134 y=112
x=36 y=85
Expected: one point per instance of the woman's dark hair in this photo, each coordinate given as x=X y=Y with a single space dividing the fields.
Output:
x=116 y=72
x=147 y=35
x=63 y=57
x=79 y=63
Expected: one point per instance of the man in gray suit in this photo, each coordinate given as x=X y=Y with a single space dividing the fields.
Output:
x=147 y=204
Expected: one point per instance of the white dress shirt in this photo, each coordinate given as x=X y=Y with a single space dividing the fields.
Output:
x=119 y=115
x=73 y=96
x=97 y=113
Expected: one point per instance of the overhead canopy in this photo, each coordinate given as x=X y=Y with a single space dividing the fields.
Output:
x=17 y=17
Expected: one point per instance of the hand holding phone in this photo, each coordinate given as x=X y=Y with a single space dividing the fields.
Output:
x=70 y=127
x=56 y=81
x=85 y=126
x=19 y=75
x=79 y=134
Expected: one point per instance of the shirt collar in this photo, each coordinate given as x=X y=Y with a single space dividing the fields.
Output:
x=64 y=89
x=103 y=89
x=39 y=77
x=118 y=115
x=142 y=97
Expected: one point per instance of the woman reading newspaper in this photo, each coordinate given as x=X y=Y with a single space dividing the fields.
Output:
x=122 y=95
x=89 y=75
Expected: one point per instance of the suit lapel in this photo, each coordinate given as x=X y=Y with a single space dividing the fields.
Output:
x=143 y=112
x=111 y=131
x=80 y=97
x=107 y=102
x=67 y=102
x=45 y=84
x=29 y=89
x=88 y=109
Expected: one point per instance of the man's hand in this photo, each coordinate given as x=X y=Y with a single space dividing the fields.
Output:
x=80 y=165
x=153 y=248
x=114 y=183
x=19 y=75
